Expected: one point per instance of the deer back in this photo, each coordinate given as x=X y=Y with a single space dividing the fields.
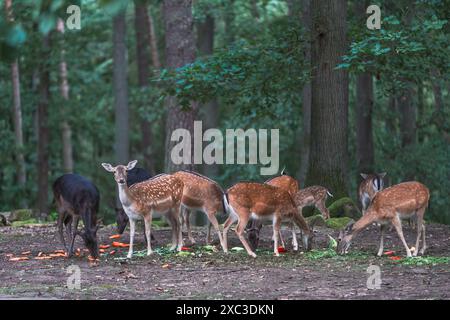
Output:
x=284 y=182
x=200 y=191
x=261 y=199
x=310 y=195
x=404 y=197
x=160 y=193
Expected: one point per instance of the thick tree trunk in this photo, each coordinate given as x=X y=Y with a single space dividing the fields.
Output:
x=122 y=143
x=407 y=118
x=43 y=130
x=143 y=62
x=329 y=87
x=17 y=113
x=364 y=135
x=306 y=97
x=205 y=46
x=66 y=130
x=180 y=50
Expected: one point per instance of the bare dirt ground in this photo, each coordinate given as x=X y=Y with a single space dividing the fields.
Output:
x=215 y=275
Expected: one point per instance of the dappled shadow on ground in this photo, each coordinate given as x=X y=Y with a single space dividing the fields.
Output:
x=214 y=275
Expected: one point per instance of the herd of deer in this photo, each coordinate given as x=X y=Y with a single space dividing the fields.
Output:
x=248 y=203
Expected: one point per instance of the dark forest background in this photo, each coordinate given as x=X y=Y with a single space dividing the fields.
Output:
x=346 y=99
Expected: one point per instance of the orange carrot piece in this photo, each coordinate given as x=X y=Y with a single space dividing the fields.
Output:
x=115 y=236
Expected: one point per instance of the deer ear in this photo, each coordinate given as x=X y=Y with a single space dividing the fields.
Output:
x=108 y=167
x=382 y=175
x=364 y=175
x=131 y=165
x=348 y=228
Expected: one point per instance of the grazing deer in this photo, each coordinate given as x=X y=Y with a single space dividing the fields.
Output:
x=369 y=187
x=134 y=176
x=247 y=200
x=162 y=194
x=76 y=197
x=389 y=206
x=203 y=194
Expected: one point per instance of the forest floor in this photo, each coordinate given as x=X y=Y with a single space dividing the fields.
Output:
x=319 y=274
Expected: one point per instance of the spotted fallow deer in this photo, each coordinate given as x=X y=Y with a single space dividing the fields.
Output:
x=203 y=194
x=390 y=206
x=369 y=187
x=247 y=200
x=161 y=194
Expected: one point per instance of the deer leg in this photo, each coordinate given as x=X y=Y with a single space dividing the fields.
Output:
x=132 y=232
x=213 y=221
x=276 y=233
x=76 y=219
x=381 y=247
x=175 y=223
x=60 y=224
x=208 y=233
x=424 y=245
x=187 y=220
x=240 y=228
x=420 y=229
x=320 y=205
x=148 y=226
x=398 y=227
x=228 y=223
x=294 y=237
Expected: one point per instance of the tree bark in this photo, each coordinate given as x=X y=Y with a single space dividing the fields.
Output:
x=122 y=143
x=364 y=135
x=143 y=62
x=437 y=91
x=153 y=43
x=205 y=46
x=180 y=50
x=229 y=21
x=66 y=130
x=306 y=97
x=43 y=130
x=17 y=113
x=329 y=87
x=407 y=118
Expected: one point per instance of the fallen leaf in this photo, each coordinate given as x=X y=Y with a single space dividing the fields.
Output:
x=60 y=251
x=42 y=258
x=18 y=258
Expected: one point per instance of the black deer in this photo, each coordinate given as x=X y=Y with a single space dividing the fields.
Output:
x=134 y=176
x=76 y=197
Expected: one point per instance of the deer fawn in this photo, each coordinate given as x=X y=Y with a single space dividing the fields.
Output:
x=204 y=194
x=398 y=202
x=369 y=187
x=261 y=201
x=76 y=197
x=162 y=194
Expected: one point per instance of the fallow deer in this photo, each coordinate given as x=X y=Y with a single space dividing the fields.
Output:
x=390 y=206
x=162 y=194
x=247 y=200
x=369 y=187
x=76 y=197
x=203 y=194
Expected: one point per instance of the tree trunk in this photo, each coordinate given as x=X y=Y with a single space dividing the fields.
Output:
x=329 y=87
x=180 y=50
x=437 y=91
x=205 y=46
x=364 y=135
x=17 y=113
x=407 y=118
x=306 y=97
x=143 y=62
x=122 y=143
x=43 y=130
x=229 y=21
x=66 y=130
x=153 y=43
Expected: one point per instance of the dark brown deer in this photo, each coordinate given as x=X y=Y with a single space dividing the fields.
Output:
x=162 y=194
x=261 y=201
x=390 y=206
x=76 y=197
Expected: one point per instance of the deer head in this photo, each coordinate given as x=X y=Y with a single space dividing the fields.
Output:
x=120 y=171
x=377 y=180
x=345 y=238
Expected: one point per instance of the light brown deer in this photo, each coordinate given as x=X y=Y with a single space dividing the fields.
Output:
x=369 y=187
x=390 y=206
x=203 y=194
x=161 y=194
x=261 y=201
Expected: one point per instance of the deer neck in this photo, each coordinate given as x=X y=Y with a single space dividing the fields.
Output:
x=125 y=195
x=365 y=221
